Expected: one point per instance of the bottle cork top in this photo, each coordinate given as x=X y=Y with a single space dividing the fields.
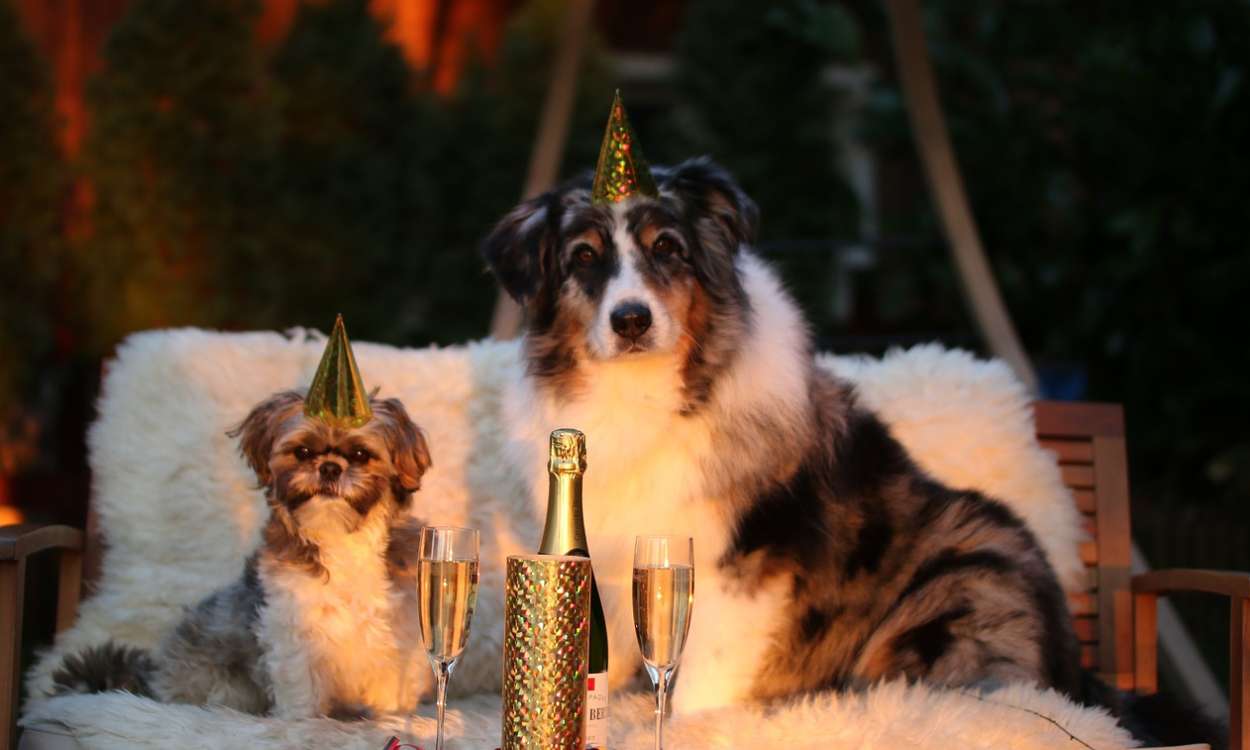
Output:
x=568 y=452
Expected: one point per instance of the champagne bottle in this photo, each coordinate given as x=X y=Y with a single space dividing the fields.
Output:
x=565 y=534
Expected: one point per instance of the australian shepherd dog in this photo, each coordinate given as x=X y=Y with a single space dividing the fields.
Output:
x=824 y=557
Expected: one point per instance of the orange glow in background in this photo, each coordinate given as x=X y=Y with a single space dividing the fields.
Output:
x=437 y=38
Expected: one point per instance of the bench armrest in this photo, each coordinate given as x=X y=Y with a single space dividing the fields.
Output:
x=1148 y=587
x=22 y=540
x=17 y=543
x=1231 y=583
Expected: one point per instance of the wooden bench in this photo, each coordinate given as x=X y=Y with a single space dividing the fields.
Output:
x=1088 y=441
x=1114 y=613
x=1115 y=616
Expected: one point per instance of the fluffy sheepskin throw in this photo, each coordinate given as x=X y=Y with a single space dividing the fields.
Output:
x=180 y=513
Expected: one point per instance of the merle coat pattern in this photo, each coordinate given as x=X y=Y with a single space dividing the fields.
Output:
x=877 y=570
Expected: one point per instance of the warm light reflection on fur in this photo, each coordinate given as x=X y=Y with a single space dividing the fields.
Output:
x=317 y=624
x=829 y=558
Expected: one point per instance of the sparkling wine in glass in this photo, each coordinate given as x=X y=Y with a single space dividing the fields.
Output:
x=663 y=598
x=447 y=594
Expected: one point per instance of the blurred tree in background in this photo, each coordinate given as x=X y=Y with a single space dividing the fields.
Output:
x=1102 y=145
x=33 y=181
x=752 y=91
x=240 y=189
x=355 y=187
x=487 y=133
x=179 y=157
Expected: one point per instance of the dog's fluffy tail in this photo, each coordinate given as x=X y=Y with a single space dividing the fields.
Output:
x=1159 y=719
x=108 y=666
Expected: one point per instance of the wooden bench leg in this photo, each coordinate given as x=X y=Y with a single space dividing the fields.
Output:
x=1239 y=674
x=12 y=589
x=17 y=544
x=1146 y=643
x=69 y=588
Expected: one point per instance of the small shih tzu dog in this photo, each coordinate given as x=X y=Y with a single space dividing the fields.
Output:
x=319 y=623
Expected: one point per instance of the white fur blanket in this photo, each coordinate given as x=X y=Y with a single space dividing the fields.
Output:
x=888 y=717
x=180 y=514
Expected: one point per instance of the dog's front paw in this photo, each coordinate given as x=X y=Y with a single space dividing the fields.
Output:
x=402 y=549
x=349 y=712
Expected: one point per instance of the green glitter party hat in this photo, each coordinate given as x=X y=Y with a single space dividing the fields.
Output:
x=337 y=395
x=621 y=172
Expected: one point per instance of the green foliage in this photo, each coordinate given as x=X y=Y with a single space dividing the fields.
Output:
x=1103 y=148
x=179 y=155
x=487 y=133
x=32 y=187
x=523 y=75
x=750 y=83
x=356 y=197
x=241 y=191
x=753 y=93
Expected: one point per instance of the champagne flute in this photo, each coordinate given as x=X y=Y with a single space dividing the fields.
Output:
x=663 y=598
x=447 y=594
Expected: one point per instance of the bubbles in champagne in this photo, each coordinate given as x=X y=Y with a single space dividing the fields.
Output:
x=448 y=594
x=663 y=597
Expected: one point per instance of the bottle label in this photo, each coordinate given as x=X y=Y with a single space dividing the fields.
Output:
x=597 y=711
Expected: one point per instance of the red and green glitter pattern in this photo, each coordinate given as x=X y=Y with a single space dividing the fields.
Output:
x=622 y=172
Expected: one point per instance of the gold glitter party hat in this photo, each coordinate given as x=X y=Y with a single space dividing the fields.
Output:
x=621 y=172
x=337 y=395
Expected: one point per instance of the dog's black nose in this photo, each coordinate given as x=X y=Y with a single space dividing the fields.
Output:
x=330 y=471
x=631 y=319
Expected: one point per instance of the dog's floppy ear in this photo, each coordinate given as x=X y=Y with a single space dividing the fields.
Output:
x=520 y=249
x=723 y=218
x=259 y=430
x=409 y=452
x=710 y=194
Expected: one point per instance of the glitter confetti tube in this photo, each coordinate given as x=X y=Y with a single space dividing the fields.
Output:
x=545 y=652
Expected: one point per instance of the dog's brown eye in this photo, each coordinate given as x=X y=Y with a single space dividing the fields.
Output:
x=664 y=247
x=584 y=254
x=302 y=453
x=359 y=456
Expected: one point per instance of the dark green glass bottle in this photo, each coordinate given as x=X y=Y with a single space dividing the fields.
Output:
x=565 y=534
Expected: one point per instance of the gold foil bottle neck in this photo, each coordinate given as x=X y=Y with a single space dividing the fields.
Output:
x=565 y=533
x=568 y=452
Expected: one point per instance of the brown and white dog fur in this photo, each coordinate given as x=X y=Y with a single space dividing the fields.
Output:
x=323 y=619
x=824 y=557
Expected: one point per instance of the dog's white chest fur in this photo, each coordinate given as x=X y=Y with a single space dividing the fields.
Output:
x=652 y=470
x=645 y=476
x=343 y=642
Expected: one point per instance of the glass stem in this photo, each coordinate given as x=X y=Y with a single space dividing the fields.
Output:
x=661 y=698
x=440 y=673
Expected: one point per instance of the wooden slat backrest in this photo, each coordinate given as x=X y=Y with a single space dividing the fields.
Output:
x=1088 y=442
